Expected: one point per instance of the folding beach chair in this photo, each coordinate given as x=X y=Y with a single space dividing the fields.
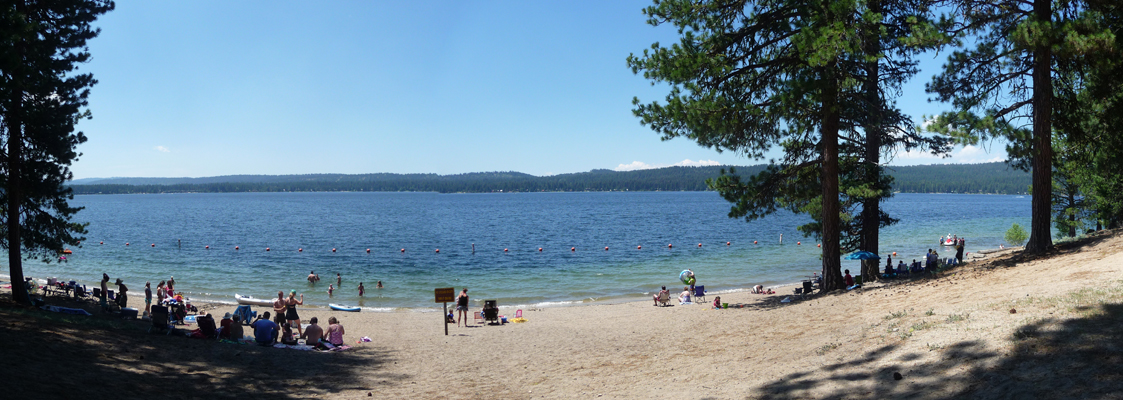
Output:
x=247 y=314
x=160 y=319
x=206 y=325
x=491 y=311
x=700 y=294
x=479 y=317
x=664 y=298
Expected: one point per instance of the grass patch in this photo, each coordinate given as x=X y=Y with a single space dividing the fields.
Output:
x=953 y=318
x=930 y=312
x=898 y=314
x=919 y=326
x=826 y=348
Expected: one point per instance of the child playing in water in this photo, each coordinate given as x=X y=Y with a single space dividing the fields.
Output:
x=330 y=289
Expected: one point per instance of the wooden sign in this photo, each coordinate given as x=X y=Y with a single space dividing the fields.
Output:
x=445 y=295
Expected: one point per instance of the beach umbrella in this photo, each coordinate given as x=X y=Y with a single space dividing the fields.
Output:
x=862 y=255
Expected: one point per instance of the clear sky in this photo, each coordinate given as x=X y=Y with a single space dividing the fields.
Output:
x=205 y=88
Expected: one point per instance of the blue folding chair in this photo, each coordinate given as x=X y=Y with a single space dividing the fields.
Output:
x=247 y=315
x=700 y=293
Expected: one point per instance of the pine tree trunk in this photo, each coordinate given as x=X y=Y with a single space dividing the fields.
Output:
x=871 y=212
x=14 y=121
x=1040 y=236
x=832 y=265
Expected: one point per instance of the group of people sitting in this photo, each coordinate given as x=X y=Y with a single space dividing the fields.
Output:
x=267 y=332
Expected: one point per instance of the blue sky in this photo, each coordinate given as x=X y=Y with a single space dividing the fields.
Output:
x=205 y=88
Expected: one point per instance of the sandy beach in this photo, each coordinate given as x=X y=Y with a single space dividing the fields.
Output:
x=1005 y=326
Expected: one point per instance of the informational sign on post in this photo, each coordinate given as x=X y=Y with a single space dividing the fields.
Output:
x=445 y=295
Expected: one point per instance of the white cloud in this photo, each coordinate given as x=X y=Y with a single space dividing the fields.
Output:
x=638 y=165
x=162 y=149
x=967 y=154
x=634 y=166
x=699 y=163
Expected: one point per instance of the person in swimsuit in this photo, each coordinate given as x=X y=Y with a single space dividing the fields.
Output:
x=462 y=307
x=330 y=289
x=279 y=309
x=335 y=332
x=290 y=311
x=361 y=289
x=379 y=286
x=338 y=280
x=161 y=293
x=147 y=297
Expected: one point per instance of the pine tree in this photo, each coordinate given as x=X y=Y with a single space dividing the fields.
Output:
x=42 y=98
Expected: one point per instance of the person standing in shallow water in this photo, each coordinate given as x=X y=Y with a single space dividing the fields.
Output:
x=361 y=289
x=338 y=280
x=462 y=307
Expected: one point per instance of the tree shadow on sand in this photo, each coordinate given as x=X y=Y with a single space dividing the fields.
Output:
x=98 y=356
x=1072 y=358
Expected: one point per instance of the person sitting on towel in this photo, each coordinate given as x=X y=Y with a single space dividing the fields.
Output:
x=313 y=333
x=264 y=330
x=684 y=297
x=286 y=334
x=234 y=330
x=849 y=279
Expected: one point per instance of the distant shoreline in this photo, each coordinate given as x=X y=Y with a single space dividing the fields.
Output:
x=991 y=178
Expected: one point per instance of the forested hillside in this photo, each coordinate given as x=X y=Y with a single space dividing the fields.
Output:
x=961 y=178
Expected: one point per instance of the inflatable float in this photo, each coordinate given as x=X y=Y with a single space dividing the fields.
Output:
x=338 y=307
x=252 y=301
x=686 y=276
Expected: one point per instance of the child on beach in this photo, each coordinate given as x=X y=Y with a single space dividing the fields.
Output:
x=330 y=289
x=717 y=302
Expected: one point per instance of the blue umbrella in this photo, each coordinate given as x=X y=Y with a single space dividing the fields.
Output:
x=862 y=255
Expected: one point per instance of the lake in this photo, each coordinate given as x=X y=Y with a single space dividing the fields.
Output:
x=573 y=230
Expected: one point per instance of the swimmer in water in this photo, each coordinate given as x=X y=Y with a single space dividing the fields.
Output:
x=379 y=285
x=330 y=289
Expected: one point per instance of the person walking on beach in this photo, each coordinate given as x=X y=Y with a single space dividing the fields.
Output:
x=959 y=249
x=279 y=308
x=122 y=296
x=290 y=311
x=104 y=292
x=147 y=297
x=462 y=307
x=361 y=289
